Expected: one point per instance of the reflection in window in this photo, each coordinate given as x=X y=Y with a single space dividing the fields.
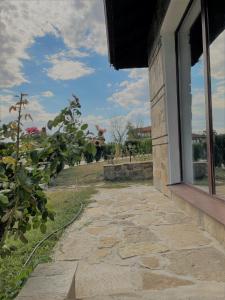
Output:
x=198 y=125
x=192 y=98
x=198 y=121
x=217 y=65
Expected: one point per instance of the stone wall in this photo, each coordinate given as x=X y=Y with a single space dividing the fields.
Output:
x=158 y=120
x=128 y=171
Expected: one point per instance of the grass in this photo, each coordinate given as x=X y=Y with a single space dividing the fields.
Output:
x=89 y=174
x=66 y=204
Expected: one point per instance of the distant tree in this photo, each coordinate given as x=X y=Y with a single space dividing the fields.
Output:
x=131 y=132
x=118 y=130
x=219 y=149
x=199 y=151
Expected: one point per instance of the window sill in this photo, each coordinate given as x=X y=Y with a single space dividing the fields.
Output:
x=212 y=206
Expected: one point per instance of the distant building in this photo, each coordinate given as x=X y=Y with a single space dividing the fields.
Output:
x=199 y=138
x=143 y=132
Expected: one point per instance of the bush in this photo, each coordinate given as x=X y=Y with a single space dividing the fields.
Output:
x=145 y=146
x=219 y=149
x=99 y=152
x=139 y=146
x=27 y=163
x=199 y=151
x=108 y=150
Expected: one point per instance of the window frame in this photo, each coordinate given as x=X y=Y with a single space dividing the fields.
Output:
x=208 y=97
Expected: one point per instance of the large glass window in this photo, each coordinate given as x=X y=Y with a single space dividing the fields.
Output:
x=192 y=100
x=201 y=63
x=216 y=15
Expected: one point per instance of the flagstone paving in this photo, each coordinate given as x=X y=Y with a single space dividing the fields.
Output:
x=134 y=243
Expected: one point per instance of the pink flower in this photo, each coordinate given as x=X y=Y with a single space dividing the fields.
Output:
x=32 y=130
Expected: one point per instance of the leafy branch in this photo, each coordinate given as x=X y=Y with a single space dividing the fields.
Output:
x=26 y=163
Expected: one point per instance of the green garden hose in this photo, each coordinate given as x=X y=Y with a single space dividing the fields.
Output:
x=51 y=234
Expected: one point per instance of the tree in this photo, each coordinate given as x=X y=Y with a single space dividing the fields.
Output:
x=118 y=130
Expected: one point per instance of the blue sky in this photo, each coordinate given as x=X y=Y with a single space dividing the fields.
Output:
x=53 y=48
x=51 y=51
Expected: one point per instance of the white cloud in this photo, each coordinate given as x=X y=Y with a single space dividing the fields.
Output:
x=68 y=69
x=7 y=91
x=218 y=95
x=217 y=57
x=35 y=108
x=93 y=120
x=218 y=107
x=134 y=91
x=47 y=94
x=65 y=54
x=135 y=115
x=79 y=23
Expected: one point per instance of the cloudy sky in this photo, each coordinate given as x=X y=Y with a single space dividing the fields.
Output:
x=217 y=64
x=53 y=48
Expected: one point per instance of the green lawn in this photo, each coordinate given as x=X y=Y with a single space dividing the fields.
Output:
x=89 y=174
x=66 y=204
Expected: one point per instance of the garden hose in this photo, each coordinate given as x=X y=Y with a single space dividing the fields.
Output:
x=51 y=234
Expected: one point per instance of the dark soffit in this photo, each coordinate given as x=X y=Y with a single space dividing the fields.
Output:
x=131 y=24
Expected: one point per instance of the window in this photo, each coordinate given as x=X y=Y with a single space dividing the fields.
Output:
x=201 y=65
x=216 y=17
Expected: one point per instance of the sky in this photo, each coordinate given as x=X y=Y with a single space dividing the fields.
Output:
x=53 y=48
x=217 y=66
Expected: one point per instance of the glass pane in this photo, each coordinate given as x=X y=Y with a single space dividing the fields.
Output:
x=192 y=98
x=217 y=65
x=198 y=122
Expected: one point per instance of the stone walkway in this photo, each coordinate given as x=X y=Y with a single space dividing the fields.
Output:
x=133 y=243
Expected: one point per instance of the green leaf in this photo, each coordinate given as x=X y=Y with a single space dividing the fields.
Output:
x=18 y=214
x=40 y=193
x=43 y=228
x=4 y=199
x=79 y=134
x=34 y=156
x=51 y=215
x=35 y=224
x=6 y=216
x=23 y=238
x=24 y=181
x=3 y=177
x=28 y=226
x=84 y=126
x=2 y=170
x=91 y=149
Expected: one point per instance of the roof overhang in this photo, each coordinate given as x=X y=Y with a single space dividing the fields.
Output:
x=131 y=28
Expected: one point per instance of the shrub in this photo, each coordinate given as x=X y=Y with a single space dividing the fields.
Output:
x=199 y=151
x=108 y=150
